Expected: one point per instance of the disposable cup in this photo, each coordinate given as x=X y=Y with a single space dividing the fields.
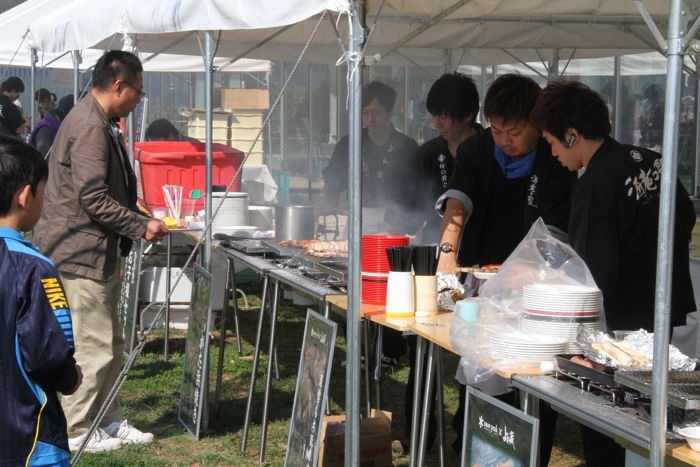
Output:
x=187 y=207
x=400 y=298
x=426 y=295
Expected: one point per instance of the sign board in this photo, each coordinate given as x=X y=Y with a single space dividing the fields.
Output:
x=312 y=391
x=128 y=304
x=496 y=433
x=195 y=381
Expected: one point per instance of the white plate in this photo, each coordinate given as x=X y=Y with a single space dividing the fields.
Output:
x=484 y=275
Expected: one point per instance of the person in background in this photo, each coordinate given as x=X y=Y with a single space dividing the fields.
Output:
x=388 y=162
x=12 y=123
x=504 y=179
x=45 y=101
x=44 y=132
x=88 y=222
x=453 y=103
x=389 y=159
x=163 y=130
x=35 y=325
x=614 y=221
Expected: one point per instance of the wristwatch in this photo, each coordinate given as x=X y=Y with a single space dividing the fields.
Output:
x=447 y=247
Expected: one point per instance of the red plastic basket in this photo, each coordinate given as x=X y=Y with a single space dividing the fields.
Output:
x=183 y=163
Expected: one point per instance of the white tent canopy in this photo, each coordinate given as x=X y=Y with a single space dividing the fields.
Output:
x=15 y=47
x=479 y=32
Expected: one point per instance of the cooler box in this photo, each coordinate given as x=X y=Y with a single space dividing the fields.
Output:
x=183 y=163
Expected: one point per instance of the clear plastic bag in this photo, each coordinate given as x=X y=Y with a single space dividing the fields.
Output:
x=560 y=295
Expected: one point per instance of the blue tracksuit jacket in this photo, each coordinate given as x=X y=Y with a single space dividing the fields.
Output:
x=36 y=356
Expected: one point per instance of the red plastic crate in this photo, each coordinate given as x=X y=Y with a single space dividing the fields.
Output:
x=183 y=163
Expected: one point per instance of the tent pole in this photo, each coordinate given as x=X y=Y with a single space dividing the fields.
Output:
x=77 y=60
x=353 y=377
x=617 y=98
x=664 y=263
x=208 y=82
x=32 y=86
x=696 y=179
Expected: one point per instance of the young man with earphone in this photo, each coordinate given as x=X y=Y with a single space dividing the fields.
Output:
x=614 y=220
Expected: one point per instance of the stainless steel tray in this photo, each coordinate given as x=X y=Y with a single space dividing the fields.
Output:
x=600 y=377
x=245 y=245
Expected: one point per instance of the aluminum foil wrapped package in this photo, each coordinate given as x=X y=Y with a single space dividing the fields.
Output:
x=449 y=290
x=643 y=342
x=635 y=351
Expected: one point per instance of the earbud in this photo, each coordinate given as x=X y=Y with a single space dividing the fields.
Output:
x=570 y=140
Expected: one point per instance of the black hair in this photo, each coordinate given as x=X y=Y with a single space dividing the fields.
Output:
x=20 y=165
x=454 y=95
x=161 y=128
x=114 y=65
x=13 y=84
x=43 y=93
x=570 y=104
x=511 y=98
x=65 y=105
x=384 y=94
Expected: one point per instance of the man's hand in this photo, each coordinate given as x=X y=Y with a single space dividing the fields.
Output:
x=450 y=232
x=78 y=382
x=155 y=230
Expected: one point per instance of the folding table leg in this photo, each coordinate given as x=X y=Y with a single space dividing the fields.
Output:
x=268 y=376
x=425 y=415
x=441 y=406
x=222 y=336
x=378 y=366
x=231 y=272
x=417 y=387
x=365 y=345
x=256 y=359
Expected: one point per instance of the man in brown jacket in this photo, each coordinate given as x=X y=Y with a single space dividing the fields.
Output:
x=89 y=220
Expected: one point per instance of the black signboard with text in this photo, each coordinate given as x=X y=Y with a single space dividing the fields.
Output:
x=128 y=304
x=195 y=381
x=312 y=391
x=496 y=433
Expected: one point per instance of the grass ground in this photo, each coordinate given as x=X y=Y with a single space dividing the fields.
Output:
x=150 y=398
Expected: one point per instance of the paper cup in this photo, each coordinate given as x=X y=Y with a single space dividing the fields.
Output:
x=426 y=295
x=400 y=294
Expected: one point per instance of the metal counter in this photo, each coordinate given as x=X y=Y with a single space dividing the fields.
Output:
x=591 y=410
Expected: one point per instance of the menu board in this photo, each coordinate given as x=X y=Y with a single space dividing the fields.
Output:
x=312 y=390
x=497 y=434
x=128 y=304
x=195 y=381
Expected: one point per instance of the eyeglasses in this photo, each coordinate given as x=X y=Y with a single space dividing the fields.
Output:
x=139 y=92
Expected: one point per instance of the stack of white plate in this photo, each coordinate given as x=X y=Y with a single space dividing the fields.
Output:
x=233 y=212
x=562 y=302
x=566 y=329
x=522 y=346
x=559 y=309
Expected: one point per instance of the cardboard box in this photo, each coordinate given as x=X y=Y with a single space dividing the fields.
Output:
x=375 y=440
x=241 y=99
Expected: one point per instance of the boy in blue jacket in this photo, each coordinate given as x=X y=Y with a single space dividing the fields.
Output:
x=36 y=337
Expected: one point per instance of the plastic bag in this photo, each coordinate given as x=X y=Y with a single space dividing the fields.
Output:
x=504 y=336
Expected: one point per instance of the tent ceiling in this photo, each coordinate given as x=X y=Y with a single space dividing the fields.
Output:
x=477 y=32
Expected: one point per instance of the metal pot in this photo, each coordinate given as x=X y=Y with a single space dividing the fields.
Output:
x=295 y=223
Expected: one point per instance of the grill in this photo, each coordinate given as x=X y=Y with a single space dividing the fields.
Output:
x=683 y=386
x=628 y=390
x=327 y=272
